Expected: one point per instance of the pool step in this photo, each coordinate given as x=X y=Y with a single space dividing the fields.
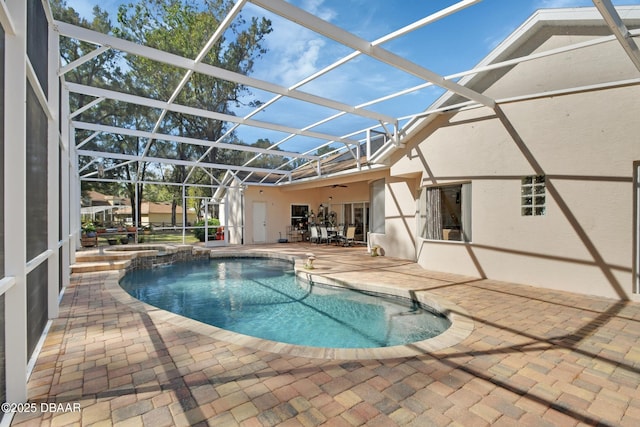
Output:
x=95 y=256
x=107 y=265
x=100 y=260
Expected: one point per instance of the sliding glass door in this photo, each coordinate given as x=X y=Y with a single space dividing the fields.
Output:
x=356 y=213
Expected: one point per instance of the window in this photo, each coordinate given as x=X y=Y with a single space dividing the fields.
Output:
x=299 y=215
x=445 y=213
x=532 y=196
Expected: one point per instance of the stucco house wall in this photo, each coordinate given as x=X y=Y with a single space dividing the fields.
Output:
x=278 y=201
x=585 y=144
x=399 y=237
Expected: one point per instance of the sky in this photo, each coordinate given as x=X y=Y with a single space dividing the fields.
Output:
x=453 y=44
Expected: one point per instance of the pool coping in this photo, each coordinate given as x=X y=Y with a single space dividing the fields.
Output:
x=461 y=323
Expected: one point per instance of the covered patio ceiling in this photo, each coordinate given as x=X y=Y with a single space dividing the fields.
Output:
x=359 y=133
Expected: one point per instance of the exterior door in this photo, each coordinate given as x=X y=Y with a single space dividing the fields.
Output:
x=259 y=222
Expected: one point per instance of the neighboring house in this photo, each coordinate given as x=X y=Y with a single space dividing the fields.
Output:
x=117 y=210
x=156 y=213
x=94 y=198
x=99 y=207
x=543 y=189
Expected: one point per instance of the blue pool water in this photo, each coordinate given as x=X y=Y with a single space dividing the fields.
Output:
x=261 y=297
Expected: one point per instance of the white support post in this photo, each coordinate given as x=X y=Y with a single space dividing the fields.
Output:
x=206 y=221
x=53 y=180
x=136 y=218
x=75 y=191
x=184 y=214
x=368 y=143
x=68 y=256
x=15 y=202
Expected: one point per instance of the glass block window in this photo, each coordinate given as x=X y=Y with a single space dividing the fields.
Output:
x=533 y=196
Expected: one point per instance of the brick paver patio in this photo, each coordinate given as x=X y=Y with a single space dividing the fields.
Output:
x=535 y=357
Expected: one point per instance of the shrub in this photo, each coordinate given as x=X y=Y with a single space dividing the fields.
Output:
x=199 y=232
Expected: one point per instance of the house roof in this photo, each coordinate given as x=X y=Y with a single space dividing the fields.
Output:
x=150 y=208
x=347 y=150
x=101 y=202
x=96 y=199
x=523 y=45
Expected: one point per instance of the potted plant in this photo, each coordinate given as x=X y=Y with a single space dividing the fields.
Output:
x=148 y=229
x=89 y=236
x=333 y=219
x=89 y=229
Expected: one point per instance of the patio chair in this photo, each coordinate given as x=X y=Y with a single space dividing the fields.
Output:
x=339 y=234
x=324 y=234
x=349 y=237
x=315 y=238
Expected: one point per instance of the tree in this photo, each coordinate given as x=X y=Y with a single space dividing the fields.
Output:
x=267 y=161
x=324 y=150
x=101 y=71
x=183 y=27
x=180 y=27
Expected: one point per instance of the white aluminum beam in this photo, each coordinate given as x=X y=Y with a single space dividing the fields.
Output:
x=398 y=33
x=498 y=65
x=152 y=103
x=209 y=70
x=203 y=52
x=15 y=202
x=469 y=105
x=165 y=161
x=181 y=139
x=131 y=181
x=619 y=29
x=78 y=62
x=6 y=21
x=37 y=89
x=294 y=14
x=86 y=107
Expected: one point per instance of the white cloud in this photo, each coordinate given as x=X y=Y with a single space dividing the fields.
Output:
x=83 y=7
x=317 y=8
x=295 y=52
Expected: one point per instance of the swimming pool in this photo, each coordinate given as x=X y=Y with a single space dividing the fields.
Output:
x=261 y=297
